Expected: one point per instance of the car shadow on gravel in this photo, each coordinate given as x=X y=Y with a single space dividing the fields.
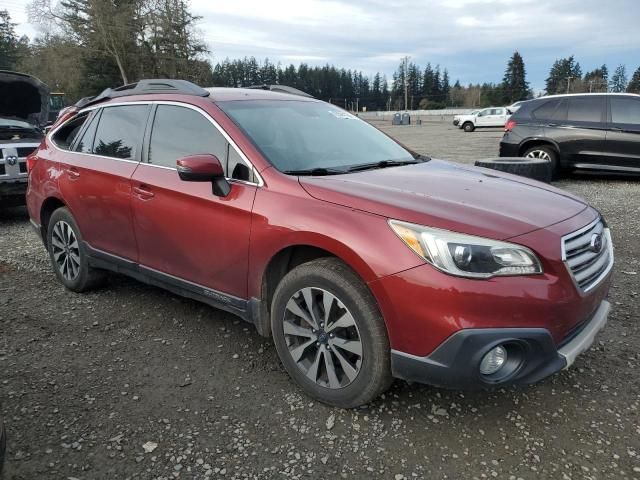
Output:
x=13 y=214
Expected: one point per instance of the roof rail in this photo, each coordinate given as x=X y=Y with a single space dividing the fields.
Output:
x=282 y=89
x=144 y=87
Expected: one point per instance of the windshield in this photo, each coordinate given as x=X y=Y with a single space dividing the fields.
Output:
x=302 y=135
x=14 y=123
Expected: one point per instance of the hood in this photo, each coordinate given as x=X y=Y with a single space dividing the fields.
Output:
x=454 y=197
x=23 y=97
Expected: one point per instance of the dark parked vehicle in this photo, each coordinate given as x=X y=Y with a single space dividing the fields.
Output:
x=361 y=259
x=24 y=105
x=592 y=131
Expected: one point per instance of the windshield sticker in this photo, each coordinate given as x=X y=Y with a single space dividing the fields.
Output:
x=342 y=115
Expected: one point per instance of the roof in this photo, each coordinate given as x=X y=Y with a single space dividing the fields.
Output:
x=561 y=95
x=223 y=94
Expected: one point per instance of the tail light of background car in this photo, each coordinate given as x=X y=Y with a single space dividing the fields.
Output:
x=510 y=125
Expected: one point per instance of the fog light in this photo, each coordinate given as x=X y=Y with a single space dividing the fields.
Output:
x=493 y=361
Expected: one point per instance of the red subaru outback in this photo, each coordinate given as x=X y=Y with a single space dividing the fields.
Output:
x=362 y=259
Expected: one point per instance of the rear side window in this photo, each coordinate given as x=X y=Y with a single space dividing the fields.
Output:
x=585 y=109
x=180 y=131
x=85 y=144
x=546 y=110
x=66 y=134
x=625 y=110
x=120 y=131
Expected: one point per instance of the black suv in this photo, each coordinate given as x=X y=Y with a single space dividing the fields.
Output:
x=580 y=131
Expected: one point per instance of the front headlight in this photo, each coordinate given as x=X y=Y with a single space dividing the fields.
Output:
x=466 y=255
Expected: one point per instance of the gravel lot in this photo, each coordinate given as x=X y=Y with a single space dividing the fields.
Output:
x=87 y=380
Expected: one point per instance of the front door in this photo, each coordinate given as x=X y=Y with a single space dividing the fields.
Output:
x=97 y=177
x=622 y=148
x=182 y=228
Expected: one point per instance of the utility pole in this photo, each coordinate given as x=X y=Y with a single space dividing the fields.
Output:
x=357 y=104
x=406 y=81
x=568 y=83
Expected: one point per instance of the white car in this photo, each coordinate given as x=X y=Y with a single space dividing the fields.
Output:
x=456 y=118
x=487 y=117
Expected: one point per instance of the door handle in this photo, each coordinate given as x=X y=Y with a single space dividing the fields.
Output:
x=143 y=192
x=73 y=173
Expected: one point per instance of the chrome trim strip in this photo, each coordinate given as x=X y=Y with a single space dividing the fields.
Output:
x=577 y=233
x=226 y=136
x=585 y=338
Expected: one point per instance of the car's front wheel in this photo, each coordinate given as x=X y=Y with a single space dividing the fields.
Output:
x=68 y=253
x=468 y=127
x=330 y=335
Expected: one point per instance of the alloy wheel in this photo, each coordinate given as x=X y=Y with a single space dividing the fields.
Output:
x=322 y=338
x=66 y=250
x=541 y=154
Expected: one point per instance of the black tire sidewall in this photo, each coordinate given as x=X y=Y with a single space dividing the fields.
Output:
x=468 y=127
x=82 y=279
x=376 y=353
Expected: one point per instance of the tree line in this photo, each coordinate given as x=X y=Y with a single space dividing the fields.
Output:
x=90 y=45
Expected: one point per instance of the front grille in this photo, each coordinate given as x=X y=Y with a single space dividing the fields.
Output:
x=25 y=151
x=588 y=264
x=3 y=171
x=23 y=167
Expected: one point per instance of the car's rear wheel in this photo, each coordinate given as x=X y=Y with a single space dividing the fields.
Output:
x=68 y=253
x=468 y=127
x=543 y=152
x=330 y=335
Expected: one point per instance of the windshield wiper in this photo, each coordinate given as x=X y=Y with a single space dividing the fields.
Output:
x=319 y=171
x=382 y=164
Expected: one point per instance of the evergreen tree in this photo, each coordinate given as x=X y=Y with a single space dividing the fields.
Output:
x=514 y=83
x=562 y=73
x=619 y=80
x=634 y=84
x=8 y=42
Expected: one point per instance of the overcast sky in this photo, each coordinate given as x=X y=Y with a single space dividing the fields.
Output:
x=473 y=39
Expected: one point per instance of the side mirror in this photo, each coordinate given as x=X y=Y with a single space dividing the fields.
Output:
x=204 y=168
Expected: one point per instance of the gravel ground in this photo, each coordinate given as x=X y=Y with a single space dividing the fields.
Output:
x=133 y=382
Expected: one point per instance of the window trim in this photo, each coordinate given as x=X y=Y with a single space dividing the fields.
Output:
x=259 y=181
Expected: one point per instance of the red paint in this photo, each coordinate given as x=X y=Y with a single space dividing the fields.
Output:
x=147 y=214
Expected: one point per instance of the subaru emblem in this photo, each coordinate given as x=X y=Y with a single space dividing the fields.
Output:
x=596 y=243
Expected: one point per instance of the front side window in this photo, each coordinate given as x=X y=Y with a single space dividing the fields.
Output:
x=180 y=131
x=625 y=110
x=299 y=135
x=120 y=131
x=484 y=113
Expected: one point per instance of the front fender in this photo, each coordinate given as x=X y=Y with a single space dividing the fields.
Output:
x=362 y=240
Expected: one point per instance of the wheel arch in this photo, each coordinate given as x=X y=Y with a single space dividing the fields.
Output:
x=286 y=259
x=49 y=205
x=537 y=142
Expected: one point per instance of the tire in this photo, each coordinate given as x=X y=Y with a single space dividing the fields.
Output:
x=320 y=368
x=536 y=169
x=544 y=152
x=70 y=264
x=468 y=127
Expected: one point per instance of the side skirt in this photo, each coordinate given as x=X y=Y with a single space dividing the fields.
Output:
x=179 y=286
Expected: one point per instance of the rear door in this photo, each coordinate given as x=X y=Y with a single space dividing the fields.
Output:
x=622 y=147
x=183 y=229
x=579 y=128
x=96 y=182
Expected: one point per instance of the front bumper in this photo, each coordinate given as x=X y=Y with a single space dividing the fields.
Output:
x=456 y=121
x=455 y=363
